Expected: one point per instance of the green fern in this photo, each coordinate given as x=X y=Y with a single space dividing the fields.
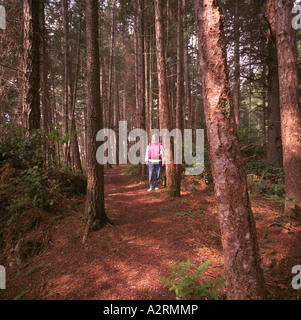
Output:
x=186 y=284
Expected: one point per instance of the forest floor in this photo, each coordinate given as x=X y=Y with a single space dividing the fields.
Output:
x=126 y=260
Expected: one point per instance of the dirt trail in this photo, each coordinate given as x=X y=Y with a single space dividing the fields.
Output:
x=120 y=261
x=124 y=261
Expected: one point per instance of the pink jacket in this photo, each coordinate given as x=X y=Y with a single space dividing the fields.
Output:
x=154 y=153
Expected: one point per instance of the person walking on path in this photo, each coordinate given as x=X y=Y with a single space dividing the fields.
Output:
x=154 y=158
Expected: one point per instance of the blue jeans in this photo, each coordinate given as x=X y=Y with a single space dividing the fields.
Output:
x=154 y=174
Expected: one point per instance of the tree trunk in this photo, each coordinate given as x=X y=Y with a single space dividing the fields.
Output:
x=263 y=111
x=140 y=73
x=289 y=106
x=94 y=210
x=56 y=147
x=44 y=74
x=236 y=91
x=187 y=84
x=244 y=275
x=164 y=108
x=31 y=65
x=151 y=88
x=45 y=98
x=111 y=64
x=180 y=85
x=66 y=80
x=146 y=96
x=274 y=151
x=74 y=139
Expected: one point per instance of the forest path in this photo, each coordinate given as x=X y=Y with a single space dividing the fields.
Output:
x=124 y=260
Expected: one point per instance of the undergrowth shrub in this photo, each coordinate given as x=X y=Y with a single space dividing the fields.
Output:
x=266 y=180
x=185 y=281
x=25 y=179
x=19 y=150
x=131 y=170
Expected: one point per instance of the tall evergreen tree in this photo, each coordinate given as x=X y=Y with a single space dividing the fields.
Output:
x=164 y=105
x=94 y=210
x=244 y=274
x=31 y=65
x=289 y=106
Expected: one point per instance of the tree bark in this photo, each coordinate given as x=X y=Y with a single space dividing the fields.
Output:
x=140 y=72
x=94 y=210
x=244 y=275
x=46 y=111
x=111 y=64
x=264 y=109
x=164 y=108
x=66 y=82
x=187 y=84
x=179 y=93
x=74 y=139
x=31 y=65
x=236 y=91
x=274 y=151
x=289 y=105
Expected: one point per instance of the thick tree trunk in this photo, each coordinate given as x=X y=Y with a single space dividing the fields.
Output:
x=289 y=106
x=274 y=151
x=94 y=210
x=244 y=274
x=31 y=65
x=164 y=108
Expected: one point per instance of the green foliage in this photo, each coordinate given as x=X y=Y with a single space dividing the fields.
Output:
x=18 y=149
x=262 y=168
x=261 y=187
x=28 y=189
x=131 y=170
x=282 y=221
x=186 y=282
x=266 y=180
x=26 y=182
x=192 y=187
x=20 y=295
x=22 y=150
x=16 y=208
x=184 y=214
